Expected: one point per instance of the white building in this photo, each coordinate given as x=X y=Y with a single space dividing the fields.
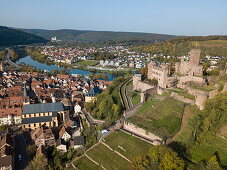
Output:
x=77 y=109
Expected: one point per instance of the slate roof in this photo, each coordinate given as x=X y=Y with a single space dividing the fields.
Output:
x=94 y=91
x=42 y=108
x=36 y=119
x=78 y=140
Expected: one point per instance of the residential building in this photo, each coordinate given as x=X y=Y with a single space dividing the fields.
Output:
x=77 y=142
x=43 y=136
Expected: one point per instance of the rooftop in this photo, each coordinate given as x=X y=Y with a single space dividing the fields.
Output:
x=43 y=108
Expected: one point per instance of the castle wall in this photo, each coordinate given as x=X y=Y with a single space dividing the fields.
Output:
x=184 y=79
x=141 y=132
x=182 y=98
x=140 y=86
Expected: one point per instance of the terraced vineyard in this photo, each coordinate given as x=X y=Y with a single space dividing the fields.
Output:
x=120 y=150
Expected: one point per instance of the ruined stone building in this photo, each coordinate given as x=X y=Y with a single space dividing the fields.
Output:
x=161 y=72
x=190 y=71
x=191 y=67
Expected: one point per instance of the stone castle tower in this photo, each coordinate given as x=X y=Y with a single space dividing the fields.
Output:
x=195 y=57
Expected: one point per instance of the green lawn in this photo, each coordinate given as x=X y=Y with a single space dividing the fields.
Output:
x=203 y=88
x=108 y=159
x=87 y=63
x=160 y=117
x=183 y=93
x=127 y=145
x=85 y=164
x=136 y=98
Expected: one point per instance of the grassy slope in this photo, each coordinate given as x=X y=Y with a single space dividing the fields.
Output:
x=204 y=151
x=85 y=164
x=136 y=98
x=131 y=145
x=107 y=158
x=160 y=117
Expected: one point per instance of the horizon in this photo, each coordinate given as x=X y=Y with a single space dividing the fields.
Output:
x=172 y=18
x=112 y=31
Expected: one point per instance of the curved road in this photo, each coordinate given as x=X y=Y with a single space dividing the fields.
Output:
x=8 y=59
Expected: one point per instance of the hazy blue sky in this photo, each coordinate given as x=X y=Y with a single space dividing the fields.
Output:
x=179 y=17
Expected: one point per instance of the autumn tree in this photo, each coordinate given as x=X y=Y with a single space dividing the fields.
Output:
x=166 y=158
x=38 y=163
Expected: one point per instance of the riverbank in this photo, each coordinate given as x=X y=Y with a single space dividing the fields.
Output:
x=28 y=60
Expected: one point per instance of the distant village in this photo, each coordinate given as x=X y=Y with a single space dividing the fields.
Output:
x=122 y=57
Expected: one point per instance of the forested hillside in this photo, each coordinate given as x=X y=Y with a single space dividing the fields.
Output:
x=10 y=36
x=210 y=45
x=97 y=36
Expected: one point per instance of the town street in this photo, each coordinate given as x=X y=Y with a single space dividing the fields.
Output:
x=20 y=149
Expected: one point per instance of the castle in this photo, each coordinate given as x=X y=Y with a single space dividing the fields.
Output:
x=186 y=72
x=190 y=70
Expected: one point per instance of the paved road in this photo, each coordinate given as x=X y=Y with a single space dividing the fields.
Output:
x=8 y=59
x=20 y=149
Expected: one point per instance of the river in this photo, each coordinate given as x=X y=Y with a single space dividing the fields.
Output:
x=29 y=61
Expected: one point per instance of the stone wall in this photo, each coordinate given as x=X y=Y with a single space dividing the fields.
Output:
x=139 y=85
x=182 y=98
x=201 y=96
x=184 y=79
x=141 y=132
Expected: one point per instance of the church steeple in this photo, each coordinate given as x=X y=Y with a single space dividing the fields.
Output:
x=25 y=90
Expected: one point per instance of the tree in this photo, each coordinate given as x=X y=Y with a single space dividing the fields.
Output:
x=141 y=163
x=31 y=150
x=144 y=71
x=213 y=164
x=54 y=72
x=91 y=75
x=154 y=81
x=63 y=71
x=38 y=163
x=165 y=157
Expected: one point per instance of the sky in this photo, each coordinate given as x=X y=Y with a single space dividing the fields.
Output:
x=175 y=17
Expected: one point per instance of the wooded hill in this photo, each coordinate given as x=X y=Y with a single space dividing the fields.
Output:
x=9 y=36
x=210 y=45
x=97 y=36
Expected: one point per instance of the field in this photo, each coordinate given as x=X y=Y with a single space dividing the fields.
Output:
x=127 y=145
x=107 y=158
x=85 y=163
x=211 y=43
x=160 y=117
x=87 y=63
